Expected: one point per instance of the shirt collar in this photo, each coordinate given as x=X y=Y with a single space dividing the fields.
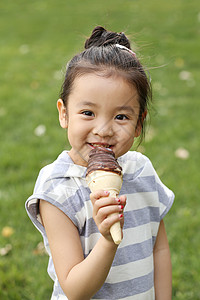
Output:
x=71 y=170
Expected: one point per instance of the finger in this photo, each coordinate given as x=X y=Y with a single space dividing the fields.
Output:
x=98 y=194
x=105 y=225
x=122 y=199
x=122 y=220
x=105 y=212
x=104 y=202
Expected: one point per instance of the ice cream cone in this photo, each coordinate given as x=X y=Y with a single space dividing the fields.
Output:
x=112 y=183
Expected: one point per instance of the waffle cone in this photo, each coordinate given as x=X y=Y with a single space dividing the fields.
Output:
x=111 y=182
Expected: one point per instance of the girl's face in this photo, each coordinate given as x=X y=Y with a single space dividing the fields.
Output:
x=100 y=111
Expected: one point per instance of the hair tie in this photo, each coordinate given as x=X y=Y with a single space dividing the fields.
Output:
x=125 y=48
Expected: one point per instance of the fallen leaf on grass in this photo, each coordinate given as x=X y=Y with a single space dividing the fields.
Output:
x=185 y=75
x=179 y=62
x=34 y=85
x=4 y=251
x=24 y=49
x=182 y=153
x=40 y=249
x=40 y=130
x=7 y=231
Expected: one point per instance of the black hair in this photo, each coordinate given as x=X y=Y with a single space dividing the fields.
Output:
x=102 y=56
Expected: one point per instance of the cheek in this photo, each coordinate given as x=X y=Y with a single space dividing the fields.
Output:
x=127 y=132
x=128 y=143
x=126 y=138
x=77 y=130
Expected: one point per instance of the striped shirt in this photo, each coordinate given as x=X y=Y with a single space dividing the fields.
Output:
x=63 y=184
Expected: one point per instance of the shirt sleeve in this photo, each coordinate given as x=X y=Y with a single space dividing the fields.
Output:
x=59 y=192
x=166 y=197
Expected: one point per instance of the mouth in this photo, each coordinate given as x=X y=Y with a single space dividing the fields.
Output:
x=94 y=145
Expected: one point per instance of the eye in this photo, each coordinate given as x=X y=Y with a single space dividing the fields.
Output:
x=87 y=113
x=121 y=117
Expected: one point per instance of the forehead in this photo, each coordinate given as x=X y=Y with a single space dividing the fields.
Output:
x=108 y=93
x=104 y=82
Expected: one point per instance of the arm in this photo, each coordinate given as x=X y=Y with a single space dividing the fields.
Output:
x=162 y=266
x=73 y=271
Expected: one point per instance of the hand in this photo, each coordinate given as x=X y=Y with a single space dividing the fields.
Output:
x=104 y=206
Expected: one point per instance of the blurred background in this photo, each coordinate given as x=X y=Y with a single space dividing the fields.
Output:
x=37 y=38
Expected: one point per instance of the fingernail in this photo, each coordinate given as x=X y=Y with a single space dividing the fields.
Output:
x=121 y=206
x=118 y=200
x=107 y=193
x=121 y=216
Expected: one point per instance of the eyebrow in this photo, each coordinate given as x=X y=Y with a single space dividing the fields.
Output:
x=87 y=103
x=127 y=108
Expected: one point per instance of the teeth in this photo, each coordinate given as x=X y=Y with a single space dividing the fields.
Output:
x=101 y=145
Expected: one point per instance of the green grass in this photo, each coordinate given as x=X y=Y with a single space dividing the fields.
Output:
x=37 y=39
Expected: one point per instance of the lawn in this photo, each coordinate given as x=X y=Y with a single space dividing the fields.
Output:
x=37 y=39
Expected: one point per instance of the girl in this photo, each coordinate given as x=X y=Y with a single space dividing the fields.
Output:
x=104 y=102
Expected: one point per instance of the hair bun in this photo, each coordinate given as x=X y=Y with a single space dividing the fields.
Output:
x=101 y=37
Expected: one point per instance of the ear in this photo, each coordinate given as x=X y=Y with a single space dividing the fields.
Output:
x=138 y=129
x=62 y=113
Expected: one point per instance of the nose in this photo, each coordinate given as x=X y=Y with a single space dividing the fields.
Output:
x=103 y=129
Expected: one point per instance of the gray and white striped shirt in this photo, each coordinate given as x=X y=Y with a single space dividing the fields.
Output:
x=63 y=184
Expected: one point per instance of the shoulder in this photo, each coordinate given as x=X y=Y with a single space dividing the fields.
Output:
x=139 y=176
x=62 y=184
x=61 y=172
x=133 y=161
x=138 y=172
